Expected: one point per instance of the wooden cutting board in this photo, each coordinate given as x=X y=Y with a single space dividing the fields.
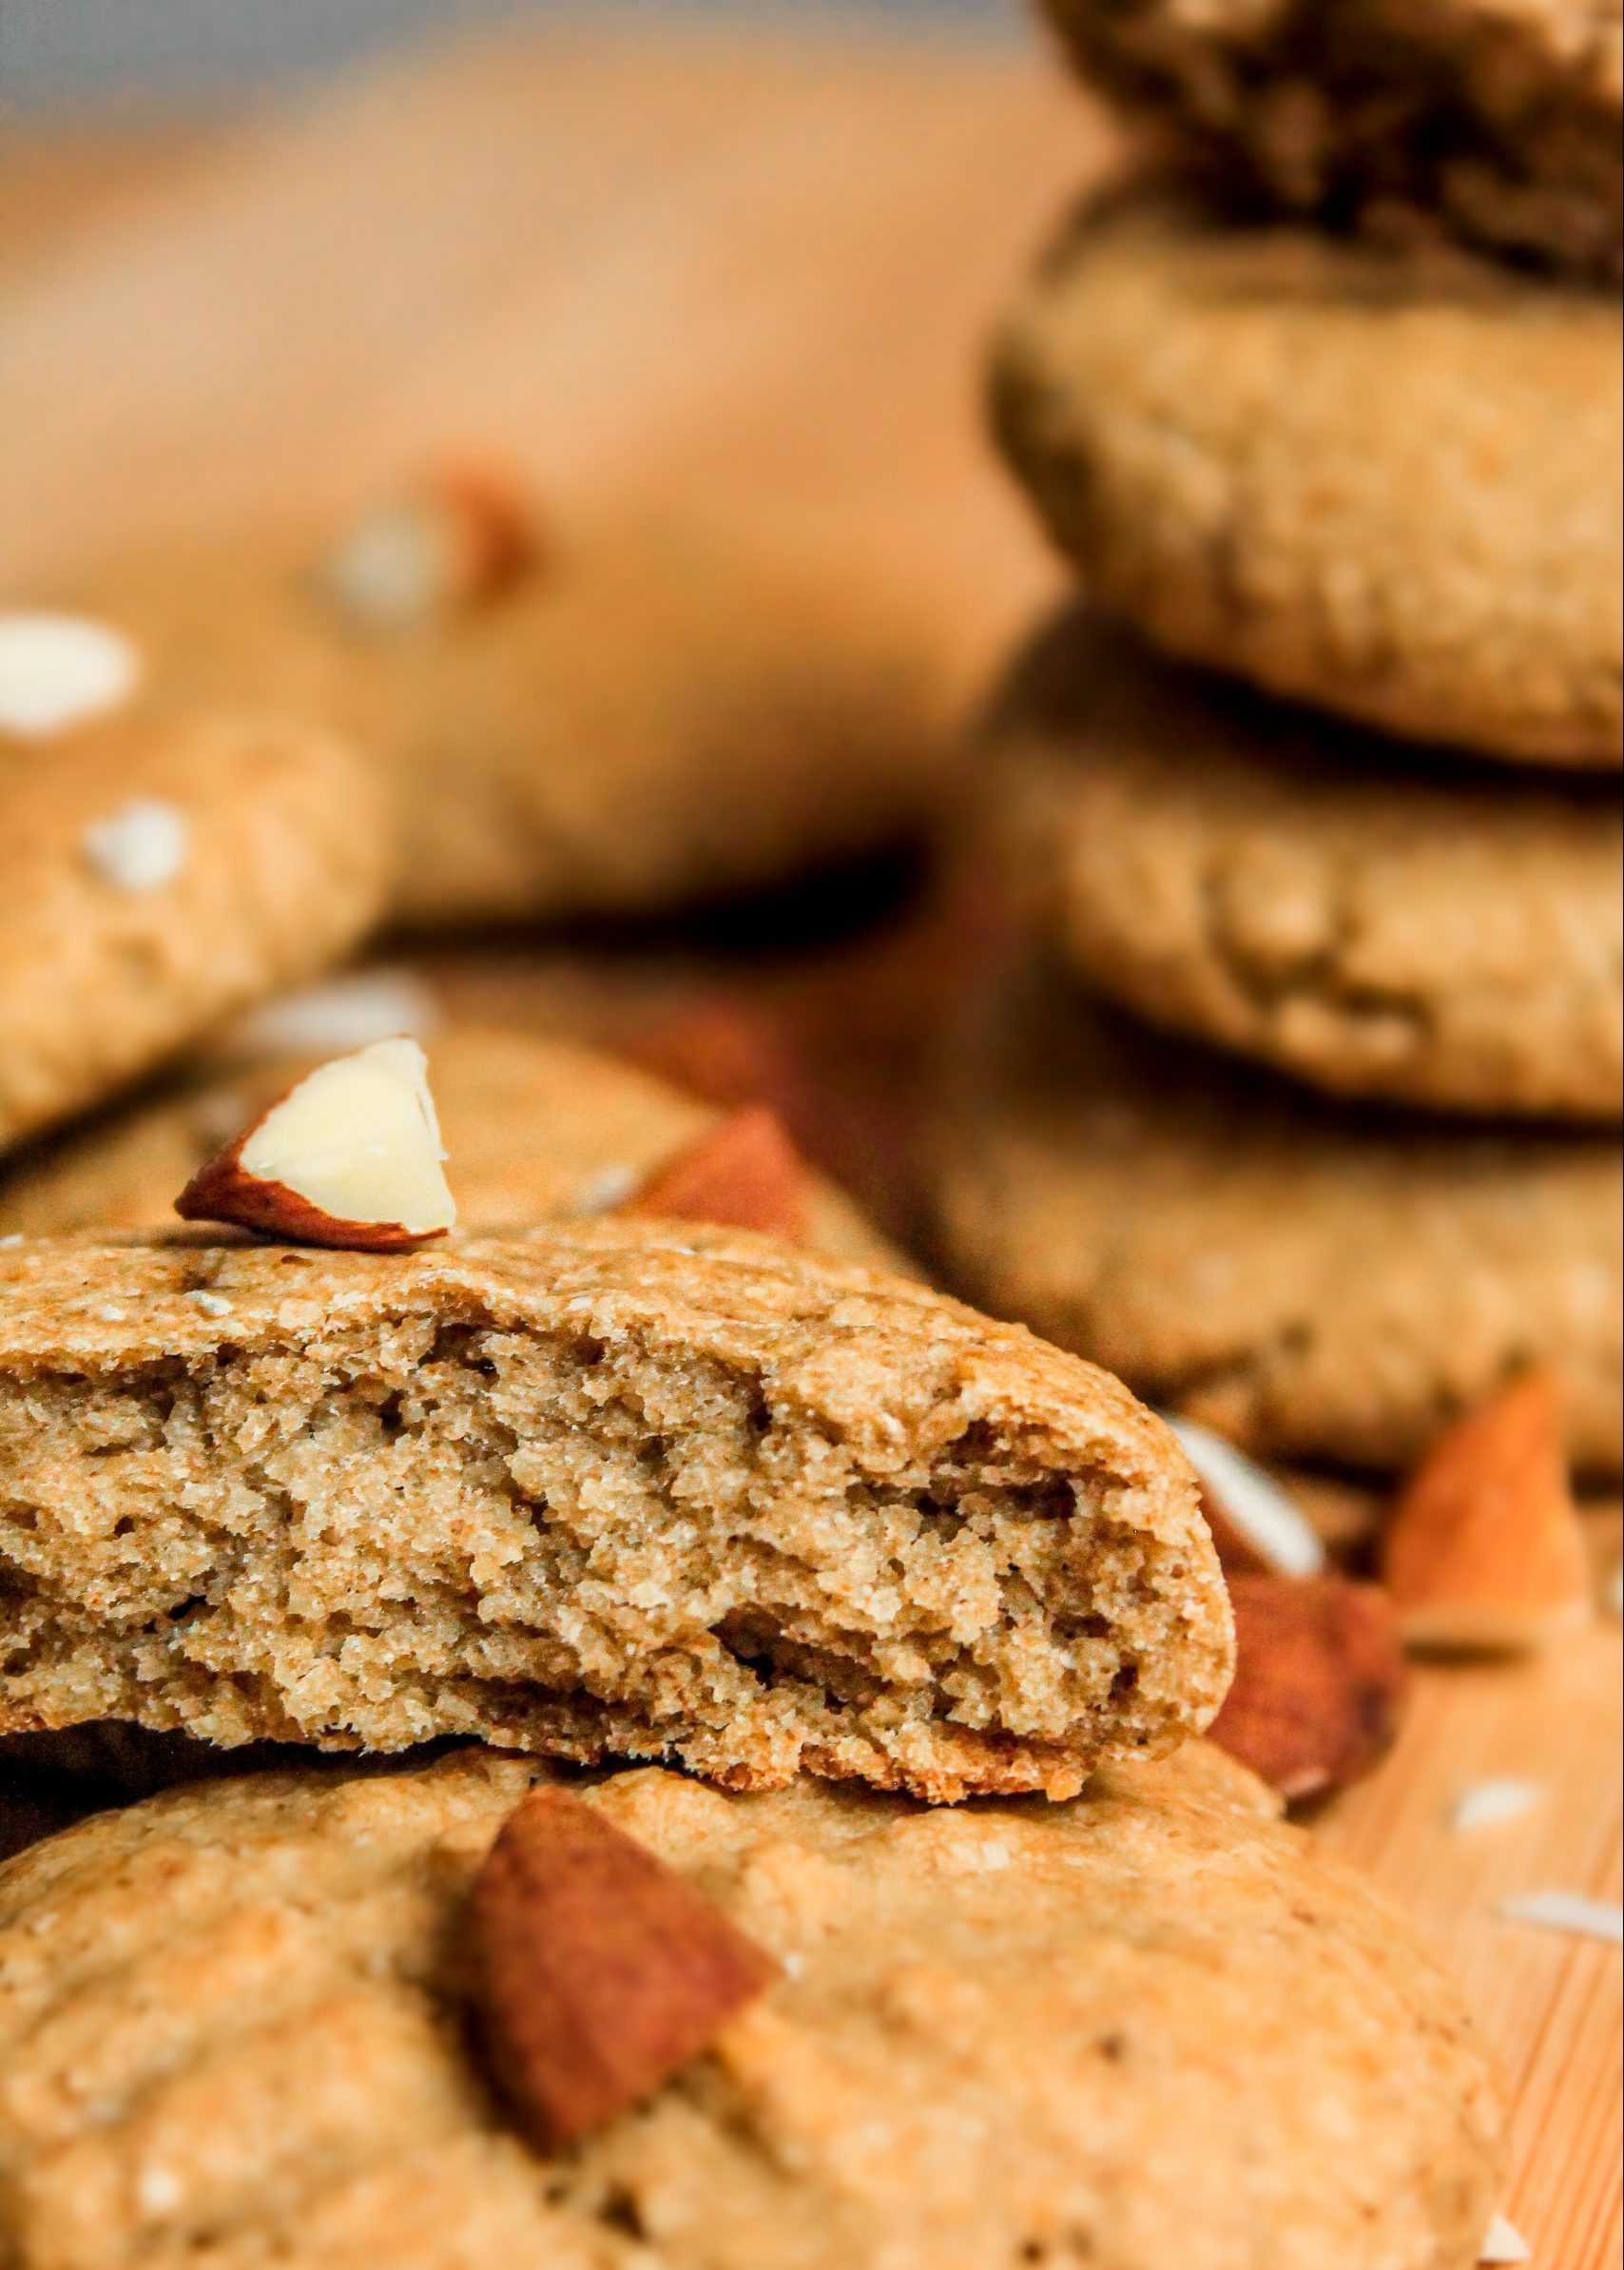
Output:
x=747 y=275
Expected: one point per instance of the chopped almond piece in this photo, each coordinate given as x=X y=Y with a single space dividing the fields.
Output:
x=349 y=1157
x=453 y=541
x=1487 y=1550
x=1257 y=1528
x=744 y=1174
x=603 y=1971
x=1319 y=1681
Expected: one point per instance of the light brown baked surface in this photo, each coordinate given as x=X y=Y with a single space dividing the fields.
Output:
x=649 y=719
x=1147 y=2031
x=1313 y=1281
x=284 y=869
x=608 y=1489
x=1386 y=482
x=1500 y=120
x=1367 y=920
x=534 y=1128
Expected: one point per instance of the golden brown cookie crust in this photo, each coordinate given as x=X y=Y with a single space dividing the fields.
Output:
x=535 y=1129
x=628 y=1489
x=1313 y=1282
x=1369 y=920
x=278 y=864
x=1147 y=2028
x=1384 y=482
x=1499 y=120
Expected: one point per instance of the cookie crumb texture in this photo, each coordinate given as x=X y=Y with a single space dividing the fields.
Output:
x=1147 y=2031
x=157 y=873
x=619 y=1490
x=1385 y=481
x=1499 y=120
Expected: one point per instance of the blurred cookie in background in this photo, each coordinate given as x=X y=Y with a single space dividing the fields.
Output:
x=620 y=721
x=1497 y=120
x=1377 y=921
x=1384 y=481
x=1313 y=1281
x=163 y=862
x=825 y=1004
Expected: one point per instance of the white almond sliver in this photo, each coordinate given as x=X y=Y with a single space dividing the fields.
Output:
x=1568 y=1912
x=336 y=1019
x=141 y=847
x=1504 y=2243
x=1486 y=1804
x=60 y=670
x=1255 y=1505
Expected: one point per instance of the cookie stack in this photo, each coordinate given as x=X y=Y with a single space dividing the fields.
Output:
x=632 y=1491
x=1304 y=1114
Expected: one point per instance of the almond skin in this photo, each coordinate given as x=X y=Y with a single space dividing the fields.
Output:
x=1237 y=1555
x=744 y=1174
x=500 y=534
x=1319 y=1681
x=1487 y=1549
x=603 y=1973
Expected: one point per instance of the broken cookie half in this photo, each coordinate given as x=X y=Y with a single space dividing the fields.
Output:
x=623 y=1488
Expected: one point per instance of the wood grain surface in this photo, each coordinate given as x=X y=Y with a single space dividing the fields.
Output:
x=748 y=276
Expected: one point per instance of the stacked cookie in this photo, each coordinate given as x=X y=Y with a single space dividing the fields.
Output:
x=639 y=1489
x=1305 y=1115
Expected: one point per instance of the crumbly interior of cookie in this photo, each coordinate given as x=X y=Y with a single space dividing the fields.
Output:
x=581 y=1545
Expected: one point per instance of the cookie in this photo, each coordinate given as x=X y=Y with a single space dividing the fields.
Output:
x=617 y=1488
x=1310 y=1281
x=1369 y=922
x=625 y=725
x=1499 y=120
x=1384 y=482
x=1149 y=2030
x=159 y=867
x=535 y=1130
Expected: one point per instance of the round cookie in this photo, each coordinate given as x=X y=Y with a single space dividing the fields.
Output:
x=1256 y=876
x=649 y=720
x=1387 y=482
x=1150 y=2029
x=1497 y=119
x=1309 y=1281
x=535 y=1130
x=160 y=868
